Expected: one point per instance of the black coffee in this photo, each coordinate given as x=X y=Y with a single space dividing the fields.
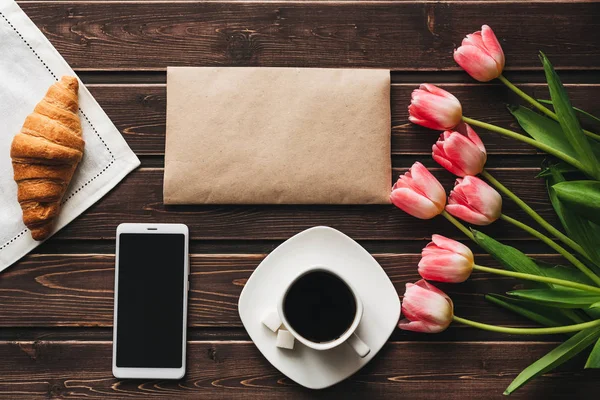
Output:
x=319 y=306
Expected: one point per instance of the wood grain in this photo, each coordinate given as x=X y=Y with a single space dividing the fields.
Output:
x=240 y=246
x=139 y=112
x=236 y=370
x=77 y=290
x=226 y=333
x=394 y=35
x=139 y=199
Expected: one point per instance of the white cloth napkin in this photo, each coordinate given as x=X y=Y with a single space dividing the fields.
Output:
x=29 y=64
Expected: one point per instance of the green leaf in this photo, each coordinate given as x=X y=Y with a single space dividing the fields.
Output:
x=583 y=232
x=582 y=197
x=549 y=132
x=561 y=354
x=595 y=305
x=514 y=260
x=561 y=167
x=579 y=110
x=543 y=129
x=535 y=312
x=593 y=313
x=563 y=298
x=563 y=272
x=508 y=256
x=568 y=120
x=574 y=315
x=593 y=360
x=544 y=315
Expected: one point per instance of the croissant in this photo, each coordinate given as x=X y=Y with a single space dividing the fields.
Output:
x=45 y=154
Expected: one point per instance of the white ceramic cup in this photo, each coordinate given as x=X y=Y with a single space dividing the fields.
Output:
x=349 y=336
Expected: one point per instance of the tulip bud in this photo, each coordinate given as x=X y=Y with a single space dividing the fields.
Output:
x=481 y=55
x=460 y=151
x=434 y=108
x=474 y=201
x=425 y=308
x=446 y=260
x=418 y=193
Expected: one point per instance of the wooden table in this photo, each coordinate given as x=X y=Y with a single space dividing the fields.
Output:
x=56 y=304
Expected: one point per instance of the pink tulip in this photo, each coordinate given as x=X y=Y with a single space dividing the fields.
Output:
x=474 y=201
x=434 y=108
x=446 y=260
x=460 y=151
x=425 y=308
x=481 y=55
x=418 y=193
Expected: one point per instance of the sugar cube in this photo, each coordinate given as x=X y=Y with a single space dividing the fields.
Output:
x=285 y=340
x=271 y=320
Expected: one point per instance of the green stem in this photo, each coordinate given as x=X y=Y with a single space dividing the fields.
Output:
x=537 y=217
x=526 y=139
x=572 y=259
x=539 y=105
x=537 y=278
x=528 y=98
x=458 y=224
x=529 y=331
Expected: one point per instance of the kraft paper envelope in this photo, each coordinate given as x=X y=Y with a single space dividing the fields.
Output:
x=277 y=136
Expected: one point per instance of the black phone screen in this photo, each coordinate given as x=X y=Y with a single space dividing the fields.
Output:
x=150 y=308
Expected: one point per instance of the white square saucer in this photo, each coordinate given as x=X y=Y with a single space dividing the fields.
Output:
x=320 y=246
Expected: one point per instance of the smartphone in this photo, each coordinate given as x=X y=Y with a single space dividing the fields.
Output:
x=151 y=295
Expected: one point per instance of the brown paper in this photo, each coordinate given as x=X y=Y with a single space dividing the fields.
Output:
x=277 y=136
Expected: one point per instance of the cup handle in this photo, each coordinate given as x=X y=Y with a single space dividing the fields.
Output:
x=358 y=346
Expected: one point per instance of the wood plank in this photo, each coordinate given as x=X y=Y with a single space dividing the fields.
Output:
x=207 y=246
x=394 y=35
x=77 y=290
x=216 y=333
x=579 y=76
x=139 y=112
x=139 y=199
x=236 y=370
x=400 y=161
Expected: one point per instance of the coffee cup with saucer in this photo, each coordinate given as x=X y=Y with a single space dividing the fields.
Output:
x=328 y=247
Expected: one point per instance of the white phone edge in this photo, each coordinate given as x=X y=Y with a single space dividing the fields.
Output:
x=151 y=373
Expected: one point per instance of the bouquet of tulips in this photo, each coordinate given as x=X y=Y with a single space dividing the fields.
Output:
x=565 y=299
